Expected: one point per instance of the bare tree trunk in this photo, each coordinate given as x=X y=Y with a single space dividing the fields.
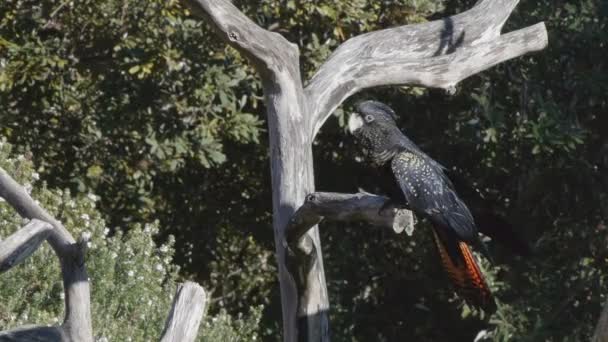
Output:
x=434 y=54
x=601 y=330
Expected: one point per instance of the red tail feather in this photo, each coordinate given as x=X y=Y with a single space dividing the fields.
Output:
x=466 y=276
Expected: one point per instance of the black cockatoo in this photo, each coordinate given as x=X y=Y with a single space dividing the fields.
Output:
x=413 y=179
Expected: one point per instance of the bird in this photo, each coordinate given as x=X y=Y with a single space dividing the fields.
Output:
x=414 y=180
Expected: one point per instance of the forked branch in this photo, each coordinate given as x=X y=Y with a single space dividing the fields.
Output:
x=77 y=323
x=186 y=312
x=269 y=51
x=436 y=54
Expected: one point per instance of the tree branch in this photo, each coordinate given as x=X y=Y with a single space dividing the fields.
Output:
x=186 y=313
x=23 y=243
x=436 y=54
x=34 y=333
x=269 y=51
x=301 y=258
x=77 y=322
x=346 y=208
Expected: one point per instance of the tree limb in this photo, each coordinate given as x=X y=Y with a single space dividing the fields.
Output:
x=77 y=322
x=334 y=207
x=34 y=333
x=269 y=51
x=346 y=208
x=436 y=54
x=23 y=243
x=186 y=313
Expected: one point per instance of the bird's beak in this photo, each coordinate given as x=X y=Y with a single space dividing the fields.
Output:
x=354 y=122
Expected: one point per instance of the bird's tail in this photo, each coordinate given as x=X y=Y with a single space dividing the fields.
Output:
x=462 y=269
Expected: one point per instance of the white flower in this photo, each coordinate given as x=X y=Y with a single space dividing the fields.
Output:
x=159 y=267
x=130 y=273
x=28 y=187
x=92 y=197
x=85 y=217
x=103 y=339
x=21 y=157
x=164 y=249
x=36 y=176
x=106 y=230
x=147 y=228
x=86 y=235
x=114 y=255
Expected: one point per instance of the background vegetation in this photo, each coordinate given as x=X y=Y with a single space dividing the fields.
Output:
x=140 y=104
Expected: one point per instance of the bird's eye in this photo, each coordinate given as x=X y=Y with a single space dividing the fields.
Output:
x=369 y=118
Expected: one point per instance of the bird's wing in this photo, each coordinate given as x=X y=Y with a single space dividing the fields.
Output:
x=429 y=193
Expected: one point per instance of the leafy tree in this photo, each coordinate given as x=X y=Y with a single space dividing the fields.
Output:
x=124 y=99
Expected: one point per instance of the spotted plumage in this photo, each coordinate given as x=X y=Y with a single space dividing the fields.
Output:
x=420 y=184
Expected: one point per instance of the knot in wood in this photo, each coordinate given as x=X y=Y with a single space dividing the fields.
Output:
x=310 y=197
x=233 y=36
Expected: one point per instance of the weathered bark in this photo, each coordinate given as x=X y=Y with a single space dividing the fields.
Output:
x=186 y=313
x=319 y=206
x=34 y=333
x=601 y=330
x=23 y=243
x=277 y=61
x=184 y=316
x=369 y=208
x=76 y=325
x=435 y=54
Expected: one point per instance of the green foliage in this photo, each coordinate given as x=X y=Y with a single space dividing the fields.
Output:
x=132 y=279
x=138 y=102
x=124 y=97
x=225 y=328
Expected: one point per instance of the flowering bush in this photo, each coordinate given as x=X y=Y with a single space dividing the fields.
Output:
x=132 y=279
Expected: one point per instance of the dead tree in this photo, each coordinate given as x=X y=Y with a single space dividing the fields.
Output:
x=184 y=316
x=601 y=329
x=435 y=54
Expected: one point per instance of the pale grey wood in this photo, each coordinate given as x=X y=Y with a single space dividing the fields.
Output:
x=77 y=322
x=277 y=62
x=186 y=313
x=601 y=330
x=357 y=207
x=364 y=207
x=436 y=54
x=23 y=243
x=34 y=333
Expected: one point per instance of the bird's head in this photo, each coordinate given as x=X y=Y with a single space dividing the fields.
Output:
x=374 y=127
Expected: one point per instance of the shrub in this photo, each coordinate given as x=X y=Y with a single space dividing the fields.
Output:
x=132 y=279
